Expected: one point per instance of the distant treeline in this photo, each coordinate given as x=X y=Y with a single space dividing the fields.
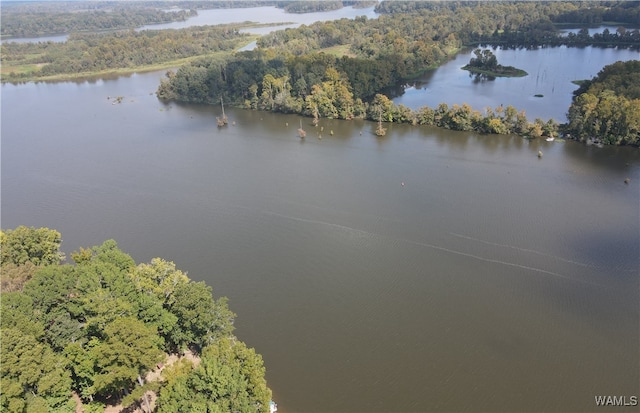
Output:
x=527 y=24
x=590 y=13
x=546 y=35
x=31 y=24
x=90 y=52
x=32 y=19
x=289 y=73
x=305 y=6
x=412 y=39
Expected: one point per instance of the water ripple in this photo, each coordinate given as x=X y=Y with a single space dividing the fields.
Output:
x=448 y=250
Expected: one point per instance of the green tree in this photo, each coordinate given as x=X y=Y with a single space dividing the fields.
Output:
x=201 y=319
x=40 y=246
x=18 y=312
x=230 y=378
x=52 y=286
x=83 y=366
x=159 y=277
x=131 y=348
x=485 y=59
x=32 y=375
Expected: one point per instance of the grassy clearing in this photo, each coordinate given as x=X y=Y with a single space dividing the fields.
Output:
x=338 y=51
x=20 y=70
x=33 y=77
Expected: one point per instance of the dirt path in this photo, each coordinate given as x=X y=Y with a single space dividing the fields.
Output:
x=153 y=375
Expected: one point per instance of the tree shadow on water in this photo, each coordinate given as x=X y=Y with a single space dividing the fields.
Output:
x=481 y=77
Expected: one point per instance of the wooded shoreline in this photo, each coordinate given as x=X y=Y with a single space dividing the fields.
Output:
x=290 y=73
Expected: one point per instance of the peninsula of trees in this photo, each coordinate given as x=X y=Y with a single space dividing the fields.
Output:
x=607 y=107
x=86 y=335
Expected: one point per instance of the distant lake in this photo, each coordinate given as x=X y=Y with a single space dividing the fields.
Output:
x=550 y=72
x=594 y=29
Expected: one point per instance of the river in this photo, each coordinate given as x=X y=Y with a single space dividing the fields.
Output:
x=264 y=15
x=426 y=271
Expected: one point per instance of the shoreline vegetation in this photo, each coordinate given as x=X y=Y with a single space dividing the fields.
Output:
x=123 y=52
x=338 y=69
x=105 y=331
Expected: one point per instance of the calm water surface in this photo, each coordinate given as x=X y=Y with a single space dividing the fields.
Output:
x=490 y=281
x=550 y=72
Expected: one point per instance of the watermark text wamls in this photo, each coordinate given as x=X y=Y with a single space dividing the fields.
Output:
x=616 y=400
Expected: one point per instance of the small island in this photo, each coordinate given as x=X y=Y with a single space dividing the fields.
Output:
x=485 y=63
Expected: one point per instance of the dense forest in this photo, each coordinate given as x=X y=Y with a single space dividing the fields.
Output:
x=324 y=86
x=309 y=6
x=299 y=70
x=607 y=107
x=336 y=69
x=415 y=41
x=509 y=24
x=90 y=52
x=92 y=331
x=576 y=12
x=18 y=23
x=32 y=19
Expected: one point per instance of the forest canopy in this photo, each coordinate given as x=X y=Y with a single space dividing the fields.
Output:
x=97 y=327
x=607 y=107
x=19 y=22
x=93 y=52
x=341 y=69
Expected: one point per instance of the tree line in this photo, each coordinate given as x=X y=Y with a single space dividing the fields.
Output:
x=32 y=24
x=576 y=12
x=414 y=41
x=290 y=73
x=323 y=86
x=509 y=24
x=309 y=6
x=87 y=52
x=96 y=327
x=32 y=19
x=24 y=19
